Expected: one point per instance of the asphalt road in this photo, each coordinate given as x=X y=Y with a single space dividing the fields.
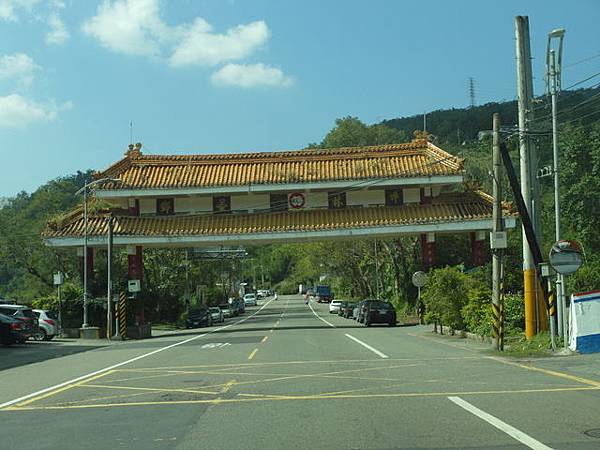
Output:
x=286 y=375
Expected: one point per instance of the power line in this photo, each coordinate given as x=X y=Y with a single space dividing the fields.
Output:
x=582 y=81
x=582 y=61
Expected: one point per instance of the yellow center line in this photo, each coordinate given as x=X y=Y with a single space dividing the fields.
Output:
x=253 y=353
x=264 y=339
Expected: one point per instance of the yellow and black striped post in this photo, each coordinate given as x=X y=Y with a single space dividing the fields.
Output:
x=498 y=323
x=122 y=316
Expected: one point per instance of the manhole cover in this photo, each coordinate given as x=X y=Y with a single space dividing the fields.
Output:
x=595 y=433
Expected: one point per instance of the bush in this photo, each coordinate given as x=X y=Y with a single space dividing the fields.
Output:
x=477 y=313
x=445 y=295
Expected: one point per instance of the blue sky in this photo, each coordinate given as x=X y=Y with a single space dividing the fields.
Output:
x=208 y=76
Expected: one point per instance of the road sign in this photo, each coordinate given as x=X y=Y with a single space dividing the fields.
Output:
x=419 y=279
x=297 y=200
x=566 y=256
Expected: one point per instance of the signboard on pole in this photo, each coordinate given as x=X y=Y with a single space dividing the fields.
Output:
x=58 y=278
x=134 y=286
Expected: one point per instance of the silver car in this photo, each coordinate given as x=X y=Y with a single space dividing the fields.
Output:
x=48 y=325
x=217 y=314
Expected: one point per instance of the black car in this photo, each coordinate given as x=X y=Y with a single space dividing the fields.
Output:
x=11 y=330
x=25 y=315
x=199 y=318
x=377 y=311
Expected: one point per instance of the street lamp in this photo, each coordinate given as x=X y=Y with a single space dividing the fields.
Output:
x=84 y=189
x=553 y=75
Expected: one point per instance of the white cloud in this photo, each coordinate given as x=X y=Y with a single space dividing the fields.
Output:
x=132 y=27
x=18 y=68
x=9 y=8
x=201 y=47
x=58 y=33
x=135 y=27
x=18 y=112
x=250 y=75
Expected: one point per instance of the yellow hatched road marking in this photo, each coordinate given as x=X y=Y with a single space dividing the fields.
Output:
x=62 y=389
x=253 y=353
x=276 y=397
x=264 y=339
x=555 y=373
x=135 y=388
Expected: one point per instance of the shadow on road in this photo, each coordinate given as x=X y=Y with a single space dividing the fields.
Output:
x=34 y=352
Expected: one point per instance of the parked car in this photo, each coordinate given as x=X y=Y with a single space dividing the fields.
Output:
x=356 y=310
x=25 y=315
x=217 y=314
x=377 y=311
x=200 y=317
x=334 y=306
x=237 y=306
x=226 y=309
x=348 y=309
x=48 y=325
x=262 y=293
x=11 y=330
x=250 y=299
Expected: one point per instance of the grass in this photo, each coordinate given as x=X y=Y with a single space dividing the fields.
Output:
x=538 y=346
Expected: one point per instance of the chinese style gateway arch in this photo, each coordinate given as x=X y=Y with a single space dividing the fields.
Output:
x=213 y=200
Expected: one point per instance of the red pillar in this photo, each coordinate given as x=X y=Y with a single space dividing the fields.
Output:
x=428 y=250
x=478 y=253
x=136 y=264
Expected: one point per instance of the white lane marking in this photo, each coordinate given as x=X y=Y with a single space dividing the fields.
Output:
x=319 y=317
x=374 y=350
x=502 y=426
x=114 y=366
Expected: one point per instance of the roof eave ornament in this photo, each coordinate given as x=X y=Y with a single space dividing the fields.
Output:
x=134 y=151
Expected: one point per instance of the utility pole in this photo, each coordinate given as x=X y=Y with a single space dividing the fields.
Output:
x=85 y=259
x=109 y=249
x=498 y=252
x=376 y=271
x=553 y=72
x=528 y=168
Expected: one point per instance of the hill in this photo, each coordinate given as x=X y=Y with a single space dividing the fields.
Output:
x=459 y=125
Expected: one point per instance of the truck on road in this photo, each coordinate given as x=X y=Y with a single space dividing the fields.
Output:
x=323 y=293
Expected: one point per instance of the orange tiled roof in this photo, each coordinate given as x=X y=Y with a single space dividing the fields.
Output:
x=417 y=158
x=446 y=208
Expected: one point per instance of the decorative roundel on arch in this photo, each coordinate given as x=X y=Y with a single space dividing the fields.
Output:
x=297 y=200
